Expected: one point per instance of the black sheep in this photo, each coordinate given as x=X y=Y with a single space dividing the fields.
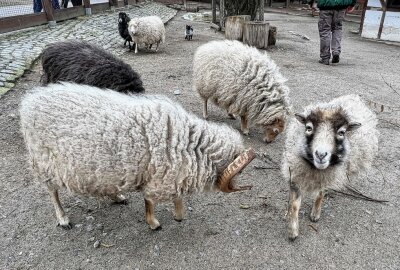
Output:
x=123 y=21
x=83 y=63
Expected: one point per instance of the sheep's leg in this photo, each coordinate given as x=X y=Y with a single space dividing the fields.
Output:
x=205 y=112
x=125 y=42
x=178 y=209
x=119 y=199
x=293 y=211
x=157 y=46
x=136 y=47
x=151 y=45
x=150 y=219
x=316 y=210
x=244 y=124
x=62 y=219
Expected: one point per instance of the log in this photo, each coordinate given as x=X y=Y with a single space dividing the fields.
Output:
x=272 y=36
x=256 y=34
x=234 y=26
x=192 y=7
x=215 y=26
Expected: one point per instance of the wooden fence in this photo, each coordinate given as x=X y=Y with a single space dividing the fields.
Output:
x=51 y=15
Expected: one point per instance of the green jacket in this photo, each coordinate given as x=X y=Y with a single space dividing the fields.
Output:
x=335 y=4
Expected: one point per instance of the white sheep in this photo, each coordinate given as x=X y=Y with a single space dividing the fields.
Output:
x=329 y=144
x=103 y=143
x=148 y=30
x=245 y=82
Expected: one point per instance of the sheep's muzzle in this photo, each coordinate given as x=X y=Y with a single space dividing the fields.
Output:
x=224 y=181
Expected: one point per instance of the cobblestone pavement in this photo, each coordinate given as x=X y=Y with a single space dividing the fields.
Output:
x=19 y=49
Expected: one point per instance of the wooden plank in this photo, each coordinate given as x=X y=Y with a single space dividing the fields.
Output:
x=13 y=23
x=363 y=17
x=97 y=8
x=382 y=18
x=48 y=9
x=214 y=10
x=69 y=13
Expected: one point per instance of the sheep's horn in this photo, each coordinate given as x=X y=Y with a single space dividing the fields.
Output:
x=224 y=182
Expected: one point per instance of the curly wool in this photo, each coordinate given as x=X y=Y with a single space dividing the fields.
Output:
x=83 y=63
x=362 y=143
x=148 y=30
x=242 y=80
x=103 y=143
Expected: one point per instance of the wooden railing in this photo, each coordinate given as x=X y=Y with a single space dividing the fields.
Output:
x=52 y=16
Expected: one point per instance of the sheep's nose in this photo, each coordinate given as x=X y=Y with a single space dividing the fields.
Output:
x=321 y=155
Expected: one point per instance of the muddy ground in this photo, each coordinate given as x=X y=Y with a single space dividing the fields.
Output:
x=217 y=233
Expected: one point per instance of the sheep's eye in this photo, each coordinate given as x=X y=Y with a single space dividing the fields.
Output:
x=276 y=131
x=341 y=133
x=309 y=128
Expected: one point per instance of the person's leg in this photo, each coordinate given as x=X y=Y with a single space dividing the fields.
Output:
x=337 y=26
x=325 y=35
x=37 y=6
x=55 y=4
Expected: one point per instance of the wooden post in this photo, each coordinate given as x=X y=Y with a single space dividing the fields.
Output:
x=287 y=3
x=214 y=10
x=272 y=36
x=384 y=8
x=234 y=26
x=222 y=14
x=363 y=17
x=86 y=5
x=256 y=34
x=270 y=3
x=48 y=9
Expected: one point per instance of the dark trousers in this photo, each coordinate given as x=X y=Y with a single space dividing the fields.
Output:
x=330 y=32
x=37 y=5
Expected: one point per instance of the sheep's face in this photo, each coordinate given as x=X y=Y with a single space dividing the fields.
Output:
x=272 y=129
x=122 y=17
x=325 y=142
x=133 y=26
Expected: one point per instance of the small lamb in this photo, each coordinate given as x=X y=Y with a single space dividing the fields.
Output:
x=148 y=30
x=104 y=143
x=189 y=32
x=329 y=144
x=123 y=20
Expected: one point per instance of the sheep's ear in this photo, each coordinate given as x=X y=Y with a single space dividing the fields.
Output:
x=300 y=118
x=353 y=126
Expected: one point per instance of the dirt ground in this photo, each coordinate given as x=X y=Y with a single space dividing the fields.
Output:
x=217 y=232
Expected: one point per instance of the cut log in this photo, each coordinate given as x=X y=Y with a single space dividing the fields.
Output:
x=272 y=36
x=256 y=34
x=234 y=26
x=215 y=26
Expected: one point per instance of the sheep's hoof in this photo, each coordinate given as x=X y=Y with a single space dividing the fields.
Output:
x=122 y=202
x=65 y=224
x=158 y=228
x=120 y=199
x=293 y=233
x=178 y=219
x=246 y=132
x=314 y=218
x=231 y=116
x=292 y=238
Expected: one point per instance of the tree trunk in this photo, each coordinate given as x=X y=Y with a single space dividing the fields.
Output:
x=234 y=26
x=256 y=34
x=260 y=11
x=272 y=36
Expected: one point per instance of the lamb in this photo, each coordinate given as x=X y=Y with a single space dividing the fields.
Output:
x=245 y=82
x=148 y=30
x=104 y=143
x=83 y=63
x=329 y=144
x=123 y=20
x=189 y=32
